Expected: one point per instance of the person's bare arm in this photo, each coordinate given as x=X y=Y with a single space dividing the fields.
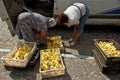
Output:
x=43 y=36
x=76 y=25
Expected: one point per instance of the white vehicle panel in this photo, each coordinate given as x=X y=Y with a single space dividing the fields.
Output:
x=95 y=6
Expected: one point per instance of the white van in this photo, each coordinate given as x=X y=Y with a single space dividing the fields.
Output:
x=101 y=11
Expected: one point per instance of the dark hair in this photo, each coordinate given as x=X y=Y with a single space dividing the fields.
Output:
x=62 y=18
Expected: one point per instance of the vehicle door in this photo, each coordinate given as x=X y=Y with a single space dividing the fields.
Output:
x=9 y=10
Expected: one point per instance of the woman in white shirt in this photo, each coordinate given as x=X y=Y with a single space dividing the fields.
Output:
x=76 y=16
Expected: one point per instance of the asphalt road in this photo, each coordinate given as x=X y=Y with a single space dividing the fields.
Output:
x=76 y=68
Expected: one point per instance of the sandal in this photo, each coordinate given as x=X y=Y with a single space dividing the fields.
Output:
x=70 y=40
x=72 y=43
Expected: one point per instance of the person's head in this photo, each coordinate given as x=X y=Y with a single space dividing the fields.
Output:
x=61 y=19
x=51 y=22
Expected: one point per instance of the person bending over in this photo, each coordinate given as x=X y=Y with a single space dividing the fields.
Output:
x=32 y=26
x=76 y=16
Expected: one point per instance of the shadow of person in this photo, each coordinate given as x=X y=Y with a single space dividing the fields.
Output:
x=113 y=77
x=111 y=74
x=23 y=74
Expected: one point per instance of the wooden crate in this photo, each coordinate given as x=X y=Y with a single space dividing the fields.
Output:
x=109 y=61
x=55 y=44
x=6 y=61
x=52 y=72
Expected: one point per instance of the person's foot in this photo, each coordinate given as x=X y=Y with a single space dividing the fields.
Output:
x=70 y=40
x=72 y=43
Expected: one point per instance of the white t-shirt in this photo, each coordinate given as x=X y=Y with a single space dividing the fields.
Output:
x=74 y=14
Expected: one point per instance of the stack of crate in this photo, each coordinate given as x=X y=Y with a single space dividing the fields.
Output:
x=49 y=56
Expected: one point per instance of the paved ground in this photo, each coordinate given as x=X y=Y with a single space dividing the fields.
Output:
x=76 y=69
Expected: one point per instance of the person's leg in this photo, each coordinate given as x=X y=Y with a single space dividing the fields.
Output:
x=81 y=27
x=83 y=21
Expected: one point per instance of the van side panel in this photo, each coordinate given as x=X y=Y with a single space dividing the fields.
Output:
x=102 y=12
x=95 y=6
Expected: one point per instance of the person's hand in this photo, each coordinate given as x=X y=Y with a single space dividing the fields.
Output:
x=37 y=35
x=51 y=41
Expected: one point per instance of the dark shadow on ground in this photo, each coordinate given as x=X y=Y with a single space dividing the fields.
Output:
x=19 y=74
